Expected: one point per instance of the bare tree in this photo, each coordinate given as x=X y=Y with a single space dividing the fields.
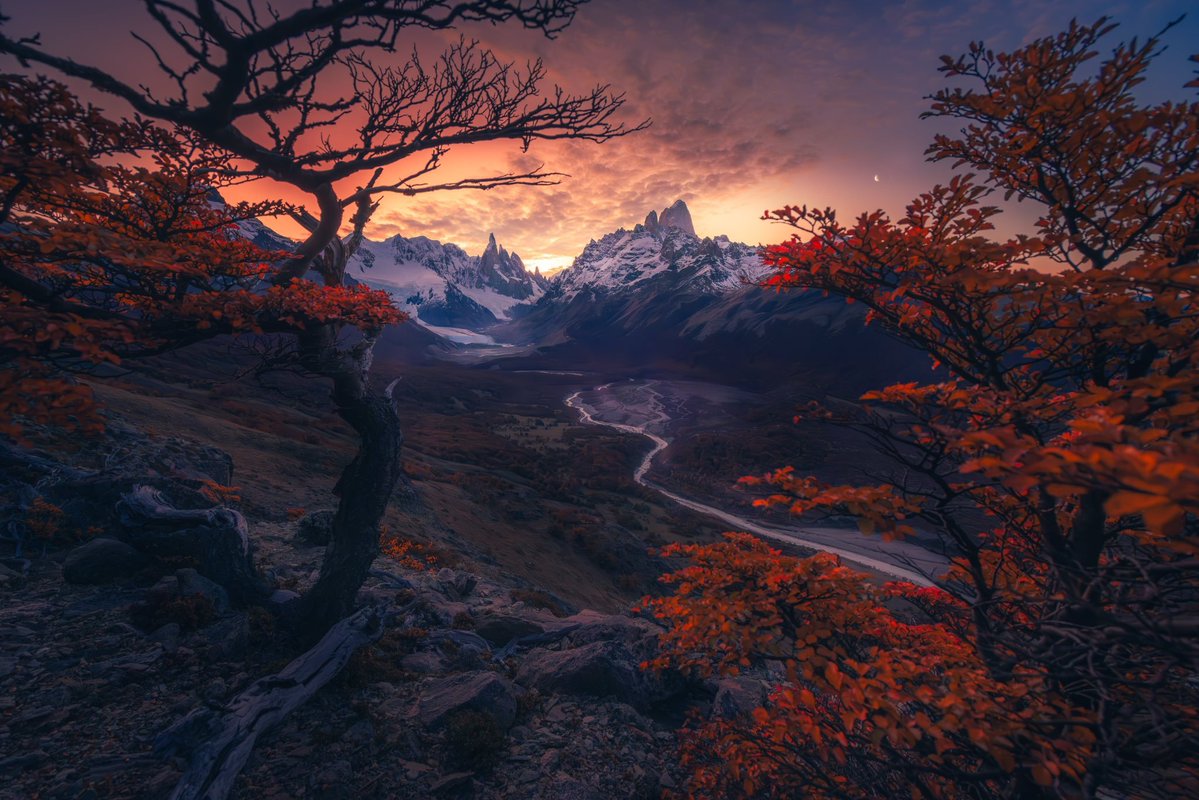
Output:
x=313 y=97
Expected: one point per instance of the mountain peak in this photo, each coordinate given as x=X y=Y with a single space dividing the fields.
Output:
x=676 y=216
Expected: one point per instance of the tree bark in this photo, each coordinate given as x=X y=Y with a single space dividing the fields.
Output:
x=364 y=490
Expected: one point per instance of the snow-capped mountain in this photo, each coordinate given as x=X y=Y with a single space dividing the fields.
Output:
x=443 y=286
x=657 y=274
x=659 y=298
x=664 y=247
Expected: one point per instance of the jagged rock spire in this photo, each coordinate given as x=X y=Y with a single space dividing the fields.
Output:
x=675 y=216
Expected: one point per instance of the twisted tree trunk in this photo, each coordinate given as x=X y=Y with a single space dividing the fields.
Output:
x=364 y=490
x=368 y=481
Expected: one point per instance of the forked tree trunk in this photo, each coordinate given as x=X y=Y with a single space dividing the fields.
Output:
x=366 y=484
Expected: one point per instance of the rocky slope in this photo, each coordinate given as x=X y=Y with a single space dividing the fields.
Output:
x=474 y=690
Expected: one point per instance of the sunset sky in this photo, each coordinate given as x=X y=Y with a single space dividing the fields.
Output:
x=755 y=104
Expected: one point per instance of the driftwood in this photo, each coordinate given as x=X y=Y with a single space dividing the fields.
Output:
x=218 y=742
x=146 y=504
x=215 y=540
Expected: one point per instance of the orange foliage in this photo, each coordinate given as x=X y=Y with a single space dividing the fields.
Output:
x=405 y=552
x=1057 y=461
x=219 y=492
x=45 y=521
x=866 y=704
x=111 y=247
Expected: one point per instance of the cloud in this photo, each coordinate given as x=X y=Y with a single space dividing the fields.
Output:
x=755 y=103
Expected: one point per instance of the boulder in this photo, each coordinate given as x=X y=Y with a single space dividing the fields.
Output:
x=228 y=638
x=594 y=626
x=456 y=585
x=283 y=597
x=599 y=669
x=316 y=527
x=440 y=611
x=484 y=692
x=499 y=629
x=102 y=561
x=425 y=662
x=736 y=697
x=191 y=582
x=10 y=577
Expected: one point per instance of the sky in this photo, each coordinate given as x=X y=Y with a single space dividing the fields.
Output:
x=754 y=104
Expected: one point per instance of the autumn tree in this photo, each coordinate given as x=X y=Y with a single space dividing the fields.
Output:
x=111 y=248
x=314 y=97
x=1056 y=459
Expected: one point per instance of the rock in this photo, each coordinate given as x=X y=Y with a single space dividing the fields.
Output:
x=167 y=586
x=456 y=585
x=599 y=669
x=425 y=662
x=215 y=691
x=737 y=697
x=457 y=642
x=485 y=692
x=676 y=216
x=453 y=782
x=282 y=597
x=499 y=629
x=337 y=775
x=167 y=636
x=14 y=764
x=594 y=626
x=360 y=733
x=566 y=787
x=228 y=638
x=316 y=527
x=10 y=577
x=213 y=540
x=193 y=583
x=441 y=611
x=102 y=561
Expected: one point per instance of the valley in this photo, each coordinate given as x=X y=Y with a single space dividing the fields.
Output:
x=650 y=409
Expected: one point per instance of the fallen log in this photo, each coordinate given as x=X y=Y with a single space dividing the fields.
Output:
x=147 y=505
x=218 y=742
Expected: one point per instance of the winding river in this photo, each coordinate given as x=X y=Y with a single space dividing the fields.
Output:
x=895 y=559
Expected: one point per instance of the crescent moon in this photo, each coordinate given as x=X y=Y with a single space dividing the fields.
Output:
x=876 y=179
